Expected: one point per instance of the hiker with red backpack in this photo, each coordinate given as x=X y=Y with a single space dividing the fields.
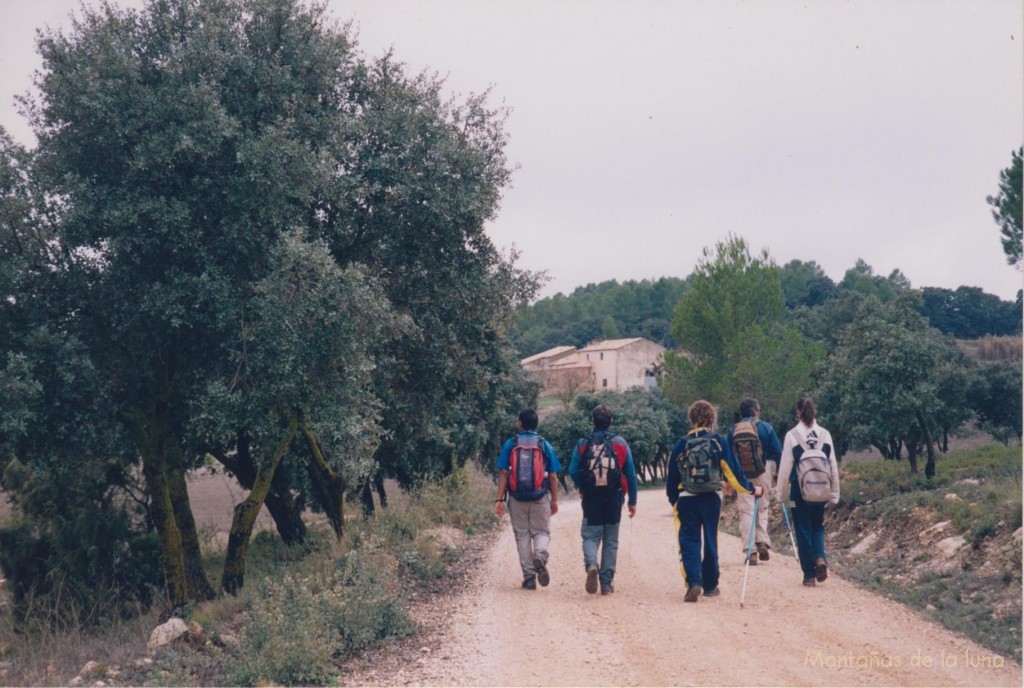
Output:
x=698 y=464
x=757 y=447
x=603 y=470
x=808 y=471
x=528 y=478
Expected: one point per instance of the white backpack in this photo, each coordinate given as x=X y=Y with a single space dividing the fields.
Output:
x=813 y=471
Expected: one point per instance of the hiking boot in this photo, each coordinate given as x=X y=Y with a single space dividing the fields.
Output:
x=592 y=572
x=752 y=559
x=543 y=577
x=820 y=569
x=607 y=589
x=713 y=592
x=692 y=593
x=530 y=583
x=762 y=552
x=809 y=582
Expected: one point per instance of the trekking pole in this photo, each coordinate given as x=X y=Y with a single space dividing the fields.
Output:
x=750 y=549
x=789 y=527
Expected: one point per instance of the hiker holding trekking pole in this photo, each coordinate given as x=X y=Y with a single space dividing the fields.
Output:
x=758 y=449
x=809 y=473
x=696 y=468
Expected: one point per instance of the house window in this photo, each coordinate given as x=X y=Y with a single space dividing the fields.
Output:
x=604 y=382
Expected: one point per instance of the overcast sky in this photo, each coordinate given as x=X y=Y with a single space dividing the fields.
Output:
x=646 y=130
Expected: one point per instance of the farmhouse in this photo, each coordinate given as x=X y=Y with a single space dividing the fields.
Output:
x=613 y=364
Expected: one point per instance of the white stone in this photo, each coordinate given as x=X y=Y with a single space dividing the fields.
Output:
x=949 y=546
x=865 y=544
x=76 y=681
x=167 y=633
x=952 y=497
x=91 y=667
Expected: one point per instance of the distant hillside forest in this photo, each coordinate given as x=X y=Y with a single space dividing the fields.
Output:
x=610 y=310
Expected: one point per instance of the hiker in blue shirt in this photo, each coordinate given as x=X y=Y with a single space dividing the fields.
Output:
x=696 y=467
x=752 y=430
x=603 y=470
x=528 y=477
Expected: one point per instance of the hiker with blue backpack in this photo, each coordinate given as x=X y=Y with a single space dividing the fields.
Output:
x=808 y=471
x=698 y=464
x=757 y=448
x=528 y=478
x=603 y=470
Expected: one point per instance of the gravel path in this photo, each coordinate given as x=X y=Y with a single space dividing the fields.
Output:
x=492 y=633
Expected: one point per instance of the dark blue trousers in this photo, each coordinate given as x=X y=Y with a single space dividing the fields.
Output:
x=809 y=528
x=697 y=515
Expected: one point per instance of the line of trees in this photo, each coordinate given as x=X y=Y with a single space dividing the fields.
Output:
x=237 y=240
x=884 y=375
x=610 y=310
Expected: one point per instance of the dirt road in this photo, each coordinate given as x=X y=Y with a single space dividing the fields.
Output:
x=645 y=635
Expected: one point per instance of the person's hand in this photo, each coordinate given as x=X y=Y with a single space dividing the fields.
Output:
x=554 y=507
x=632 y=510
x=758 y=490
x=499 y=509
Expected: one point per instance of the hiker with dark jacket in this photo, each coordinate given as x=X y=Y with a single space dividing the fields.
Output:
x=602 y=469
x=696 y=467
x=808 y=516
x=528 y=477
x=742 y=438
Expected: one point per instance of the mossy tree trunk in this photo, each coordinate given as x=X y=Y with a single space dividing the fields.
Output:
x=171 y=512
x=245 y=515
x=330 y=487
x=280 y=501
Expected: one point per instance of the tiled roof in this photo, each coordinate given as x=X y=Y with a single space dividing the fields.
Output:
x=550 y=353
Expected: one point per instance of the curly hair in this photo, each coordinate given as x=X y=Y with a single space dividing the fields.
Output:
x=702 y=414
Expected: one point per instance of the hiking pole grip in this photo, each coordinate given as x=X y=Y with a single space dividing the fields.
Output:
x=750 y=548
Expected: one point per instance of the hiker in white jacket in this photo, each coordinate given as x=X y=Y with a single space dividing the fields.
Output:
x=809 y=462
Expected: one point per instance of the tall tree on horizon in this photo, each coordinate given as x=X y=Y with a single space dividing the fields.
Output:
x=1006 y=208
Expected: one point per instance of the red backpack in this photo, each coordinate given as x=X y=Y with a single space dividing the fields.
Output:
x=526 y=469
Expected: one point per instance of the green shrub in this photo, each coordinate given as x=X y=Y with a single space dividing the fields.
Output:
x=287 y=640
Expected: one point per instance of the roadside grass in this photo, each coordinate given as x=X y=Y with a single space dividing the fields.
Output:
x=302 y=612
x=978 y=493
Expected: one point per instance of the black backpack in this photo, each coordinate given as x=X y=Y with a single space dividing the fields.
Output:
x=601 y=472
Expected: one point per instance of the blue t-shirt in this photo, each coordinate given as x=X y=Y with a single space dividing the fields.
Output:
x=551 y=464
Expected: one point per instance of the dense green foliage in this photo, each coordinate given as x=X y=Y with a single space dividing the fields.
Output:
x=730 y=323
x=240 y=238
x=608 y=310
x=1007 y=210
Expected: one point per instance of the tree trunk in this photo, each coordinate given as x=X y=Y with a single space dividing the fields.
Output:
x=170 y=539
x=279 y=502
x=197 y=587
x=912 y=456
x=165 y=484
x=329 y=486
x=378 y=482
x=929 y=466
x=366 y=496
x=245 y=515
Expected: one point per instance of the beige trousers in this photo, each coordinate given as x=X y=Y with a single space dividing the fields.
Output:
x=745 y=506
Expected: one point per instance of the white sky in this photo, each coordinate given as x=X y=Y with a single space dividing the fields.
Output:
x=645 y=130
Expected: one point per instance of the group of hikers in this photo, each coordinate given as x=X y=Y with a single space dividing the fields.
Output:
x=802 y=470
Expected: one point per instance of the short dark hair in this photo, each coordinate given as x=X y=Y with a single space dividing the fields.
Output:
x=749 y=407
x=528 y=417
x=601 y=417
